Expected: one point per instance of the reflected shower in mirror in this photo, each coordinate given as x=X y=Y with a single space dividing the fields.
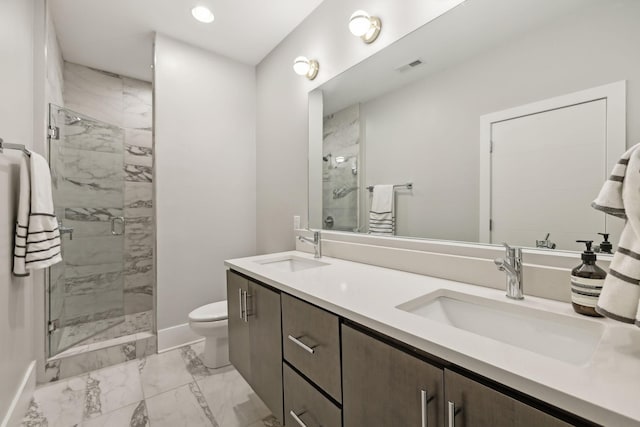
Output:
x=506 y=116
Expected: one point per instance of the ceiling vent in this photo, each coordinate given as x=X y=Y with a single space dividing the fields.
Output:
x=409 y=66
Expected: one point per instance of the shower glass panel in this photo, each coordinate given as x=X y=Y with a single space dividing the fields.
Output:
x=340 y=170
x=86 y=290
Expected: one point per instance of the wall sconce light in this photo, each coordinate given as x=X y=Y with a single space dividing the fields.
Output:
x=364 y=26
x=306 y=67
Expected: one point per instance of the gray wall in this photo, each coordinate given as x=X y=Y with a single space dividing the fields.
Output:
x=282 y=114
x=16 y=125
x=428 y=131
x=205 y=176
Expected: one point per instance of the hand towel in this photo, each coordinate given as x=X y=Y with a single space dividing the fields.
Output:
x=37 y=240
x=620 y=196
x=382 y=219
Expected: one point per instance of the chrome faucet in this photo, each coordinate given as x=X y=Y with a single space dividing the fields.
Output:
x=512 y=265
x=316 y=242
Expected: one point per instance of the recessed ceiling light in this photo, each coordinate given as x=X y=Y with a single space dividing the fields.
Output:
x=202 y=14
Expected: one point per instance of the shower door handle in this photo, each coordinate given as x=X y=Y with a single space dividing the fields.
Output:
x=64 y=230
x=113 y=225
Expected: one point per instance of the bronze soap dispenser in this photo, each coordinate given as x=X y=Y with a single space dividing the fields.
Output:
x=586 y=282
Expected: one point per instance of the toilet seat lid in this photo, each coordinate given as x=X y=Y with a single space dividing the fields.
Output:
x=209 y=312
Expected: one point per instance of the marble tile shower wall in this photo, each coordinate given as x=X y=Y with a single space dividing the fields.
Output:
x=92 y=162
x=341 y=137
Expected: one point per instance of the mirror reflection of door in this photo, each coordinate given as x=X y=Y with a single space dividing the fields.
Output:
x=546 y=169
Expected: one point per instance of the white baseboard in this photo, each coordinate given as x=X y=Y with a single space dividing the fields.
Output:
x=176 y=336
x=22 y=398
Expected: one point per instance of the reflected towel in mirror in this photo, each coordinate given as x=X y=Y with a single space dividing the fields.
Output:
x=382 y=220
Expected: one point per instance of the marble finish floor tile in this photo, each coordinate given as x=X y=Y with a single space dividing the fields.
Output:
x=163 y=372
x=192 y=356
x=178 y=391
x=231 y=399
x=182 y=406
x=134 y=415
x=60 y=404
x=269 y=421
x=111 y=388
x=34 y=416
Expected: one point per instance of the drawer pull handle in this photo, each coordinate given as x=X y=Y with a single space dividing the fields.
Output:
x=451 y=414
x=297 y=417
x=240 y=295
x=246 y=310
x=301 y=344
x=423 y=407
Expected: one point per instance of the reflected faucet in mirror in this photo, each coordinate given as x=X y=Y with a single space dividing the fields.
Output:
x=512 y=265
x=546 y=243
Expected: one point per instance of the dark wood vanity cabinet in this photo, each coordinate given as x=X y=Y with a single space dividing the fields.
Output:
x=312 y=374
x=305 y=405
x=333 y=373
x=384 y=386
x=255 y=338
x=477 y=405
x=311 y=343
x=239 y=348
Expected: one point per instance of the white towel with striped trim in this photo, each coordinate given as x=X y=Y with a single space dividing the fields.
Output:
x=382 y=219
x=37 y=240
x=620 y=196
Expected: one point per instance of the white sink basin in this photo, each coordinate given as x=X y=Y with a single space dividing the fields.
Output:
x=291 y=263
x=560 y=337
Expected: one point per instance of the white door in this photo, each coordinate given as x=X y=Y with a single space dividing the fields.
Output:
x=546 y=169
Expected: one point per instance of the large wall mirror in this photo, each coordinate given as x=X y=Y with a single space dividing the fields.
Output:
x=498 y=121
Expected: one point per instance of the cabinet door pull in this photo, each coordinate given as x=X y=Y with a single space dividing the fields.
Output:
x=240 y=299
x=423 y=407
x=297 y=417
x=246 y=311
x=301 y=344
x=451 y=414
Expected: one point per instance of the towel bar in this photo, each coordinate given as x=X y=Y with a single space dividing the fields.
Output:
x=408 y=186
x=8 y=146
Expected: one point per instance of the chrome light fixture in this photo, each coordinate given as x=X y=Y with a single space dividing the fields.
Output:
x=306 y=67
x=362 y=25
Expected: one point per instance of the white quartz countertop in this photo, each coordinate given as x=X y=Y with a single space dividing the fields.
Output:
x=605 y=390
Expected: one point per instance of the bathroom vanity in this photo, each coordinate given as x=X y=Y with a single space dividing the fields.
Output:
x=332 y=342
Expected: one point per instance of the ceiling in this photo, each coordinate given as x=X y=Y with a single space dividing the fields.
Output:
x=117 y=35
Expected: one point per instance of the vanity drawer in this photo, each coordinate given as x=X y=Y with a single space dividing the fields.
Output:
x=311 y=343
x=303 y=401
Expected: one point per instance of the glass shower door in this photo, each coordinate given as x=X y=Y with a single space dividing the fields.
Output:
x=86 y=290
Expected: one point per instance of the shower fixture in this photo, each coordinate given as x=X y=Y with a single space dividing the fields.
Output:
x=339 y=193
x=74 y=120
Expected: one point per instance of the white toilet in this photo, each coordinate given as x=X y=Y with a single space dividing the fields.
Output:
x=210 y=321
